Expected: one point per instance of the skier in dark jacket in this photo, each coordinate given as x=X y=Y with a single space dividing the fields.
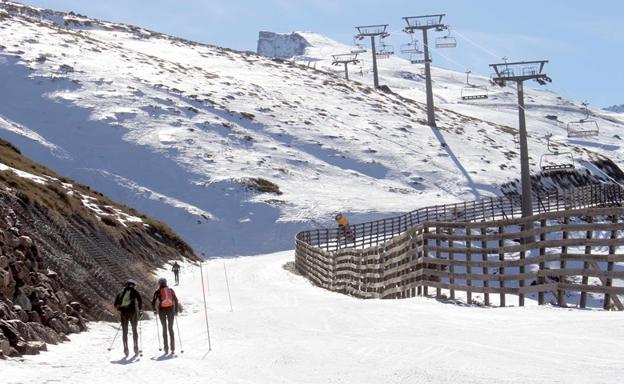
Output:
x=176 y=272
x=129 y=304
x=167 y=308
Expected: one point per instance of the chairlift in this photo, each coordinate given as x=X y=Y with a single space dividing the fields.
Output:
x=385 y=51
x=585 y=127
x=358 y=47
x=417 y=58
x=556 y=161
x=472 y=91
x=410 y=48
x=447 y=41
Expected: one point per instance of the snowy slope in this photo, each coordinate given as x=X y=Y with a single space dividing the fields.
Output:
x=173 y=128
x=284 y=330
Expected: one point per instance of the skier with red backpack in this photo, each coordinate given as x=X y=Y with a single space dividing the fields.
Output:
x=167 y=308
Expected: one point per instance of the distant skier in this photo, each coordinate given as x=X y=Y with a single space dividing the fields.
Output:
x=343 y=225
x=176 y=272
x=167 y=308
x=129 y=304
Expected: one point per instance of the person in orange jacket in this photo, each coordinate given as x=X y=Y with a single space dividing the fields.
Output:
x=343 y=225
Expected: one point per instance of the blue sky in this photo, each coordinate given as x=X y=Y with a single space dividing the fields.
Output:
x=582 y=39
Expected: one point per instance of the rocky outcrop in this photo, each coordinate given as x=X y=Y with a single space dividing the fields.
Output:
x=281 y=45
x=35 y=306
x=61 y=264
x=615 y=108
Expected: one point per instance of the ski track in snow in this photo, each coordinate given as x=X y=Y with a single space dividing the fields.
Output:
x=284 y=330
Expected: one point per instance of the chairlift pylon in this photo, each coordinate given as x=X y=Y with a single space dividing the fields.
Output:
x=585 y=127
x=552 y=165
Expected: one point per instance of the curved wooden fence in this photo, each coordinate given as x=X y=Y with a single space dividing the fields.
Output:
x=566 y=253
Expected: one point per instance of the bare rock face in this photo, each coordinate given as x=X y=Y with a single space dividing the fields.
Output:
x=280 y=45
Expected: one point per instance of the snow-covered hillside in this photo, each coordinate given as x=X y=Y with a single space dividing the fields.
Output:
x=236 y=151
x=285 y=330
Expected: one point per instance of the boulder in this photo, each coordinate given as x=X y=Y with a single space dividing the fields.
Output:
x=4 y=262
x=46 y=334
x=25 y=241
x=13 y=352
x=76 y=306
x=59 y=326
x=5 y=345
x=24 y=330
x=30 y=347
x=10 y=332
x=5 y=278
x=5 y=311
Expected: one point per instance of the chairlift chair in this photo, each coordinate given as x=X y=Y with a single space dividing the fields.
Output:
x=358 y=47
x=474 y=92
x=417 y=58
x=447 y=41
x=410 y=48
x=559 y=161
x=585 y=127
x=385 y=51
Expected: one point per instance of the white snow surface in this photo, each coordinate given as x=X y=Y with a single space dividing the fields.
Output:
x=172 y=128
x=284 y=330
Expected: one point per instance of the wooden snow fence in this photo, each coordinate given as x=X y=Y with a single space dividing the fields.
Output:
x=565 y=254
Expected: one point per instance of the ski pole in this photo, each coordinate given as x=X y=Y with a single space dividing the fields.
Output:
x=227 y=282
x=201 y=271
x=140 y=334
x=157 y=331
x=114 y=338
x=179 y=335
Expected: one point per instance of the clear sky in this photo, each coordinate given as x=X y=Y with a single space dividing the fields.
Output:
x=583 y=40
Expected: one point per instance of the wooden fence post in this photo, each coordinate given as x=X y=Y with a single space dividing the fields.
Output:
x=542 y=252
x=484 y=257
x=561 y=293
x=451 y=266
x=522 y=268
x=501 y=268
x=425 y=253
x=588 y=249
x=438 y=267
x=468 y=267
x=612 y=250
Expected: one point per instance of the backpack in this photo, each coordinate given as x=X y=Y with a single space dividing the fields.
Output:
x=166 y=297
x=126 y=298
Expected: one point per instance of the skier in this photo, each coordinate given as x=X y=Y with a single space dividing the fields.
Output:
x=167 y=309
x=343 y=225
x=176 y=272
x=129 y=304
